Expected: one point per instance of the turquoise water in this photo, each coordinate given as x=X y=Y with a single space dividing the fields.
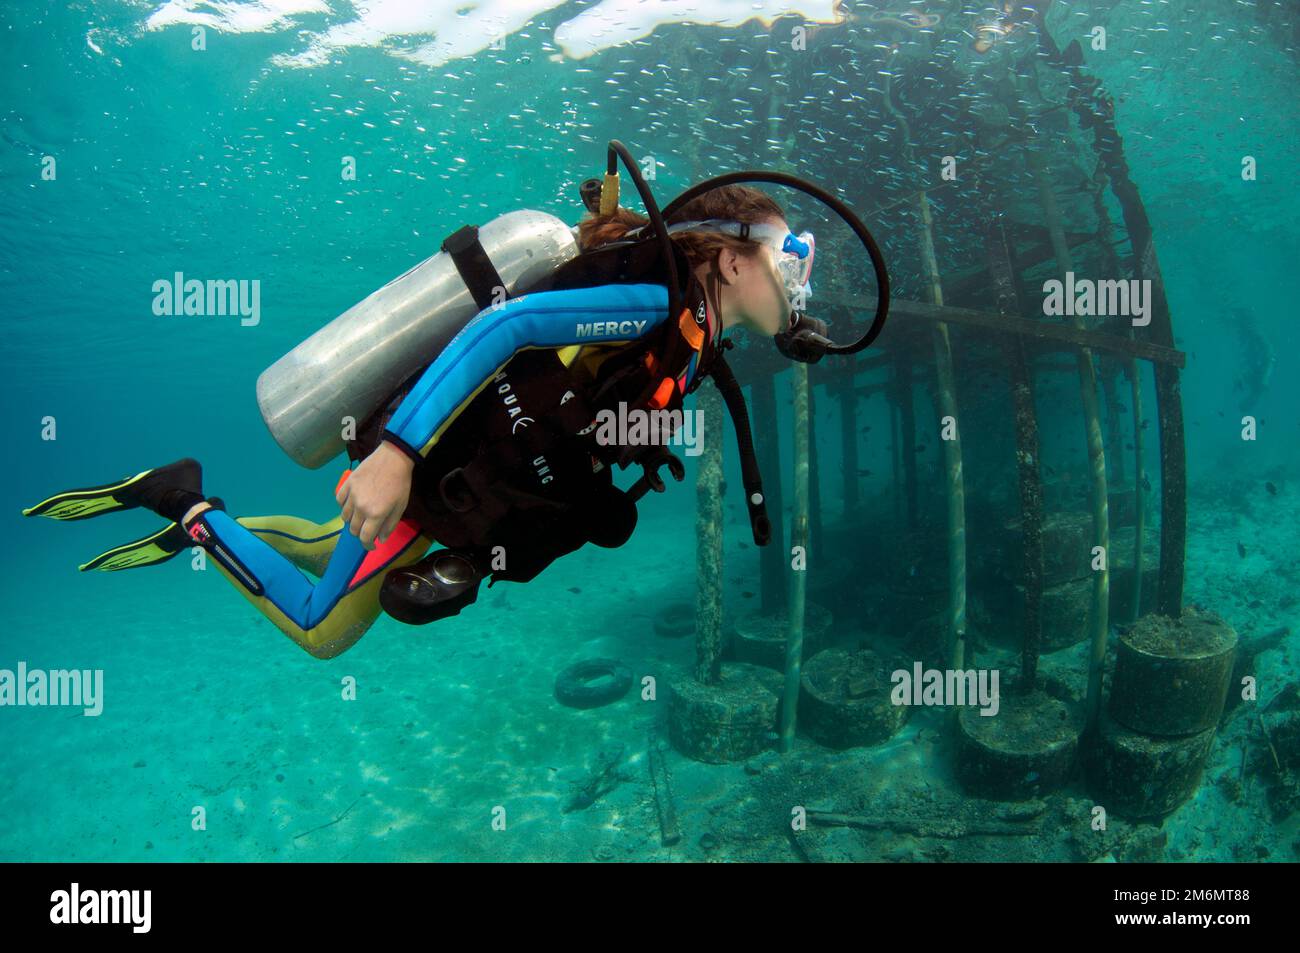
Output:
x=224 y=162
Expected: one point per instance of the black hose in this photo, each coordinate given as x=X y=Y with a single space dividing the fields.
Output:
x=749 y=471
x=619 y=151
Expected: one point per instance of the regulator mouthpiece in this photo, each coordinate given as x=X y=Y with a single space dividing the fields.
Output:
x=805 y=340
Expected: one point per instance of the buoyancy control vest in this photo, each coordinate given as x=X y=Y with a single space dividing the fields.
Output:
x=545 y=489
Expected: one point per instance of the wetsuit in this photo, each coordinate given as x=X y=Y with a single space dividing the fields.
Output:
x=458 y=403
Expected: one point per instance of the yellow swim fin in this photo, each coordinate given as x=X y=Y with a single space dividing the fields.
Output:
x=148 y=551
x=90 y=501
x=166 y=490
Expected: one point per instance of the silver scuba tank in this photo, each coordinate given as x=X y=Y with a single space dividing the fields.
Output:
x=351 y=365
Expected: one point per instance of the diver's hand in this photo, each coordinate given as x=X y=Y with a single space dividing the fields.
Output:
x=374 y=497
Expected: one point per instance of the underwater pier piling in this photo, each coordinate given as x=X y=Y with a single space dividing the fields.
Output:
x=1139 y=486
x=954 y=483
x=816 y=534
x=799 y=538
x=719 y=711
x=1099 y=620
x=1029 y=475
x=708 y=545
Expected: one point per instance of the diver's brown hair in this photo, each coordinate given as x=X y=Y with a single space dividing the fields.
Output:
x=735 y=203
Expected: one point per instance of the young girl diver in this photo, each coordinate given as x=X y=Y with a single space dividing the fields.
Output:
x=423 y=480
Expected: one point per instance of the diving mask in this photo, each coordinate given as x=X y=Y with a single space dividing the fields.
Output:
x=794 y=263
x=793 y=253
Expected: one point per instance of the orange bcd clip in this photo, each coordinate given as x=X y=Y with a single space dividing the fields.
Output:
x=662 y=393
x=343 y=479
x=693 y=333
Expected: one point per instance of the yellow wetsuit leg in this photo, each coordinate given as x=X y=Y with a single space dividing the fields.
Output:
x=263 y=557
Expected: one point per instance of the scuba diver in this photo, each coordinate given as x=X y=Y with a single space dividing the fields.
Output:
x=491 y=450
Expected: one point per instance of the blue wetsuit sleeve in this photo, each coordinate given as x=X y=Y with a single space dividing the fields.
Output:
x=604 y=314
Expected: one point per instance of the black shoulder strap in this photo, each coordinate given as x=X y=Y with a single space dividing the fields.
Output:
x=476 y=269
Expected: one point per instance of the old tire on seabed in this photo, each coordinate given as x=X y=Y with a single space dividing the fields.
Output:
x=592 y=683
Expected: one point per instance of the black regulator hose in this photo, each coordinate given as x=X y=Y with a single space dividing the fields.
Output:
x=752 y=477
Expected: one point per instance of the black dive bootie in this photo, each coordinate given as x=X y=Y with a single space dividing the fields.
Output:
x=438 y=586
x=170 y=491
